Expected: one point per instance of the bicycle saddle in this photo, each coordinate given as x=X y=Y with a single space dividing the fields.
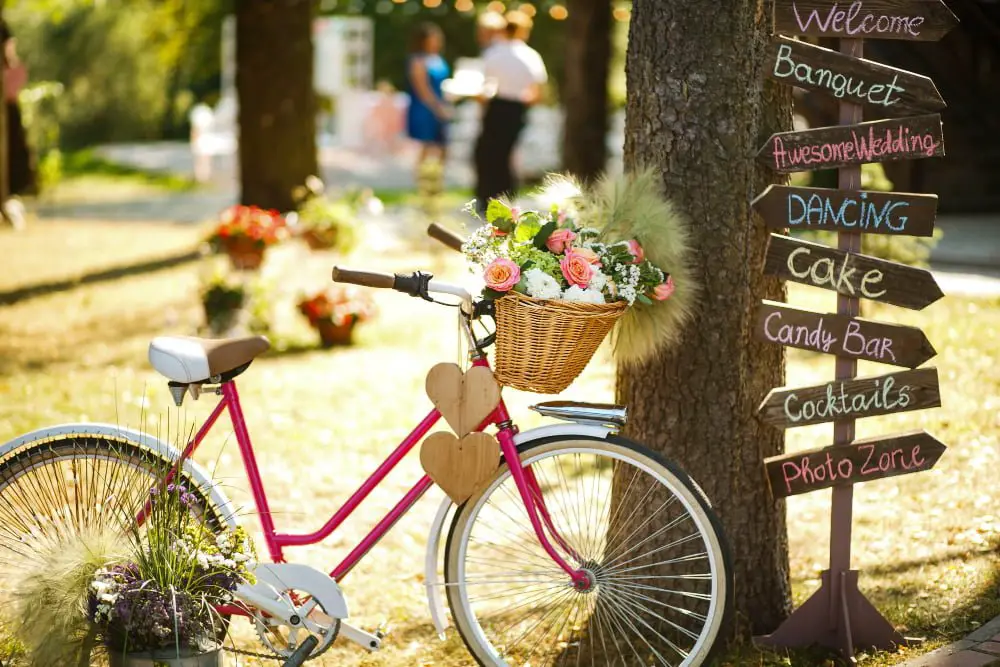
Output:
x=190 y=360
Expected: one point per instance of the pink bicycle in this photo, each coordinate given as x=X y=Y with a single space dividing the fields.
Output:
x=583 y=548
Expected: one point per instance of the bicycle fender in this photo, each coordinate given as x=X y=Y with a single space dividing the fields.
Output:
x=435 y=601
x=137 y=439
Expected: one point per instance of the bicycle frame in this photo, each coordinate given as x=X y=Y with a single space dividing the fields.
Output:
x=276 y=541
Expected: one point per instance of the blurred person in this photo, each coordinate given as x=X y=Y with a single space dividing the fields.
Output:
x=428 y=113
x=490 y=27
x=20 y=168
x=515 y=75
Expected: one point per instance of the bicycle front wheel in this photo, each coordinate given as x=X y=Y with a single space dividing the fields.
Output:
x=644 y=534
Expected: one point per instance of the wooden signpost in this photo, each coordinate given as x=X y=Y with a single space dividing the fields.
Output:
x=850 y=274
x=851 y=399
x=838 y=615
x=843 y=145
x=846 y=336
x=894 y=92
x=911 y=20
x=860 y=461
x=785 y=206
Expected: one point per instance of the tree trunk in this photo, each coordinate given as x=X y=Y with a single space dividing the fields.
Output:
x=698 y=110
x=4 y=148
x=585 y=90
x=274 y=81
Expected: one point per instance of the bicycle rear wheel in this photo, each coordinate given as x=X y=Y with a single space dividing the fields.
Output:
x=76 y=487
x=647 y=538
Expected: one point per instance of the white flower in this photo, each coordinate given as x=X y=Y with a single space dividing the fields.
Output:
x=541 y=285
x=598 y=281
x=574 y=293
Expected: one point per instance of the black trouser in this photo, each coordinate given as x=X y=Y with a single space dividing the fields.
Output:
x=502 y=125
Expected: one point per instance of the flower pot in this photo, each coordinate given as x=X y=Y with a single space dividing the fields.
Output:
x=331 y=334
x=320 y=240
x=166 y=658
x=244 y=254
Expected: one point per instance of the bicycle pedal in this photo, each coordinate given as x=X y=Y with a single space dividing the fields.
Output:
x=382 y=630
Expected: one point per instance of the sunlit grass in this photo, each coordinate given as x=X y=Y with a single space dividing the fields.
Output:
x=323 y=420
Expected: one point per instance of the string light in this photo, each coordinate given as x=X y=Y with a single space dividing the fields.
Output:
x=621 y=14
x=558 y=12
x=496 y=6
x=464 y=5
x=528 y=9
x=399 y=2
x=430 y=4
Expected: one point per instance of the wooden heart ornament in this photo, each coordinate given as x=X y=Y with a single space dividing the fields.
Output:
x=465 y=399
x=460 y=466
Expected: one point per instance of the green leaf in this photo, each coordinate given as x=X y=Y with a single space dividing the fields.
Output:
x=526 y=231
x=543 y=235
x=642 y=298
x=498 y=211
x=492 y=293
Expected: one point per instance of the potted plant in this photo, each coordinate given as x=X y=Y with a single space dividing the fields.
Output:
x=561 y=279
x=223 y=297
x=326 y=222
x=245 y=232
x=157 y=604
x=335 y=312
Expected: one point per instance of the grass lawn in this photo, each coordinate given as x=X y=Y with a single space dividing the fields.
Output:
x=926 y=544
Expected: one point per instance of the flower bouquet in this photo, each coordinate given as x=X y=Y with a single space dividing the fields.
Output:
x=158 y=602
x=335 y=312
x=562 y=278
x=245 y=232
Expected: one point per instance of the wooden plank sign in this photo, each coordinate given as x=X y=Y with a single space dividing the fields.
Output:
x=842 y=335
x=841 y=145
x=893 y=91
x=859 y=461
x=850 y=273
x=851 y=399
x=786 y=206
x=913 y=20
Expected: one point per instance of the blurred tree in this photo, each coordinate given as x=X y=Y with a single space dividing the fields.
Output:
x=585 y=88
x=130 y=69
x=274 y=82
x=698 y=110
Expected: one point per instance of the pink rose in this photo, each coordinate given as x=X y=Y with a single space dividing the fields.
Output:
x=663 y=291
x=588 y=255
x=502 y=274
x=559 y=241
x=576 y=268
x=637 y=252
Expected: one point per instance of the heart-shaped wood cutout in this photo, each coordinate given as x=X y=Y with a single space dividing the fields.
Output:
x=460 y=466
x=465 y=399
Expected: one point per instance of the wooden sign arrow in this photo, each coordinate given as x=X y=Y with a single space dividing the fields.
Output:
x=913 y=20
x=860 y=461
x=842 y=335
x=850 y=274
x=895 y=92
x=840 y=145
x=851 y=399
x=785 y=206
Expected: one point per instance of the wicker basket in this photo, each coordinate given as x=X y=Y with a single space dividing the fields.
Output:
x=543 y=345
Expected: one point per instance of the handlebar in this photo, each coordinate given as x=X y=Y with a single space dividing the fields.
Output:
x=365 y=278
x=445 y=236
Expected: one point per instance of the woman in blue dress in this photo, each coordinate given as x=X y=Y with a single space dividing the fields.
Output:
x=428 y=114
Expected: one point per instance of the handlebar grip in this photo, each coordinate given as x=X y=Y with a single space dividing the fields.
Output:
x=366 y=278
x=445 y=236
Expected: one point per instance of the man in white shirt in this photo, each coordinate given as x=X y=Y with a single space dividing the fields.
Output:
x=515 y=73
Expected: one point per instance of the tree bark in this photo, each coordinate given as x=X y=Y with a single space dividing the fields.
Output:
x=698 y=110
x=585 y=89
x=277 y=117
